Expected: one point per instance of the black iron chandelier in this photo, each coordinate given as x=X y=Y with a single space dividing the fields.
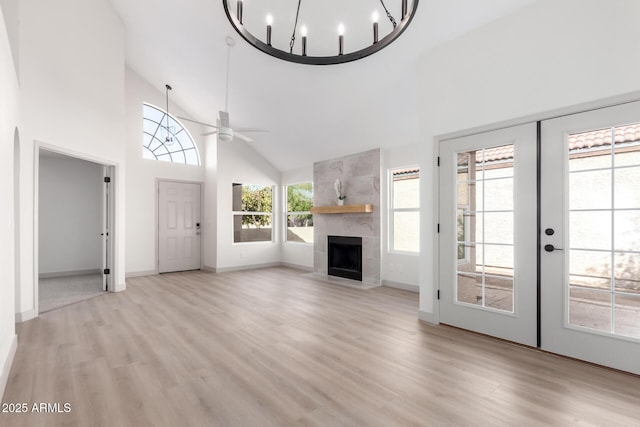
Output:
x=247 y=20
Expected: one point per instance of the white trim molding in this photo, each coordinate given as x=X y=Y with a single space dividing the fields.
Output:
x=402 y=286
x=425 y=316
x=26 y=315
x=4 y=376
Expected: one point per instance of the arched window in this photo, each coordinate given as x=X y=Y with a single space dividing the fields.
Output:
x=169 y=145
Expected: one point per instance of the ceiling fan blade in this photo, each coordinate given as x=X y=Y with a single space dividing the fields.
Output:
x=250 y=130
x=245 y=138
x=195 y=121
x=209 y=133
x=224 y=119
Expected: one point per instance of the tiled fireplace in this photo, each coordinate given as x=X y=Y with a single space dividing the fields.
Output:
x=360 y=178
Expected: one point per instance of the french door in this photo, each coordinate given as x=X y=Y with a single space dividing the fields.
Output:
x=589 y=237
x=488 y=233
x=590 y=217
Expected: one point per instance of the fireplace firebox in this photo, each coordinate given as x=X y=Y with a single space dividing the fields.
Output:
x=345 y=257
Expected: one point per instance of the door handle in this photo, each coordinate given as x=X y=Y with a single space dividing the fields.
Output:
x=551 y=248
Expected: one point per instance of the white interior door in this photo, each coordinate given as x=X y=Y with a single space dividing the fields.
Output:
x=106 y=229
x=590 y=216
x=178 y=226
x=488 y=233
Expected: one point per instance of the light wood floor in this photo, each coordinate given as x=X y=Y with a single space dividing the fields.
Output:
x=273 y=347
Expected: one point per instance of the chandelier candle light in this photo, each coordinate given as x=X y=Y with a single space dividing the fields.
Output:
x=269 y=23
x=381 y=38
x=375 y=17
x=239 y=11
x=303 y=32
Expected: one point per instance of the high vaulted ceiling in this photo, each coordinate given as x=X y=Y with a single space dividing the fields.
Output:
x=313 y=112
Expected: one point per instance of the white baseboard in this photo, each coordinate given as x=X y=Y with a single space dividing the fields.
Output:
x=4 y=375
x=364 y=285
x=425 y=316
x=209 y=269
x=131 y=274
x=248 y=267
x=56 y=274
x=26 y=315
x=297 y=267
x=403 y=286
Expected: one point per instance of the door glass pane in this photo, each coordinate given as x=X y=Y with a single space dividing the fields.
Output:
x=599 y=194
x=627 y=188
x=627 y=147
x=590 y=230
x=604 y=230
x=497 y=227
x=628 y=315
x=470 y=288
x=485 y=233
x=590 y=309
x=627 y=230
x=590 y=268
x=498 y=194
x=627 y=272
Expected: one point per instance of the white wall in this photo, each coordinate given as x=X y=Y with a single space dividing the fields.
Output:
x=72 y=101
x=295 y=254
x=70 y=204
x=239 y=163
x=10 y=10
x=397 y=269
x=210 y=203
x=8 y=122
x=550 y=55
x=143 y=173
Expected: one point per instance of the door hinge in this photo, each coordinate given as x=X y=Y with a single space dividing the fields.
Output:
x=106 y=271
x=438 y=228
x=438 y=160
x=107 y=179
x=438 y=294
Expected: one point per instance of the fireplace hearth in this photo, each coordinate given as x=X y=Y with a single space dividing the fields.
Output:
x=345 y=257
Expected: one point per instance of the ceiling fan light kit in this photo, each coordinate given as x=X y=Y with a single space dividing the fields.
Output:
x=168 y=139
x=237 y=21
x=225 y=134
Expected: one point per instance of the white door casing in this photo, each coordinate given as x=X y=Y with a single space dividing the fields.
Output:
x=179 y=226
x=497 y=230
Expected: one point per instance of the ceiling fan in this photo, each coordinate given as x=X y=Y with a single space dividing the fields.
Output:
x=224 y=130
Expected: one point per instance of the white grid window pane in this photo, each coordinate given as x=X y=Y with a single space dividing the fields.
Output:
x=163 y=134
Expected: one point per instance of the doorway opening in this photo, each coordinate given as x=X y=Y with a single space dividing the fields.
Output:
x=74 y=226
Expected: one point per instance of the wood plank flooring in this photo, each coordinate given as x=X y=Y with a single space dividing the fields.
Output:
x=274 y=347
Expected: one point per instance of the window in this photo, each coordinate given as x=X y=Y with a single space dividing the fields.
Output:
x=299 y=218
x=168 y=145
x=252 y=213
x=404 y=211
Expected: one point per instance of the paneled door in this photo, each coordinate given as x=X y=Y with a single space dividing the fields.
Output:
x=179 y=227
x=590 y=217
x=487 y=239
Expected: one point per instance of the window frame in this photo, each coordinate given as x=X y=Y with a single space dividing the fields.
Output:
x=391 y=211
x=241 y=213
x=287 y=212
x=179 y=141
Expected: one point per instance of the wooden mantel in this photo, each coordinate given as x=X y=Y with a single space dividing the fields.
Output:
x=342 y=209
